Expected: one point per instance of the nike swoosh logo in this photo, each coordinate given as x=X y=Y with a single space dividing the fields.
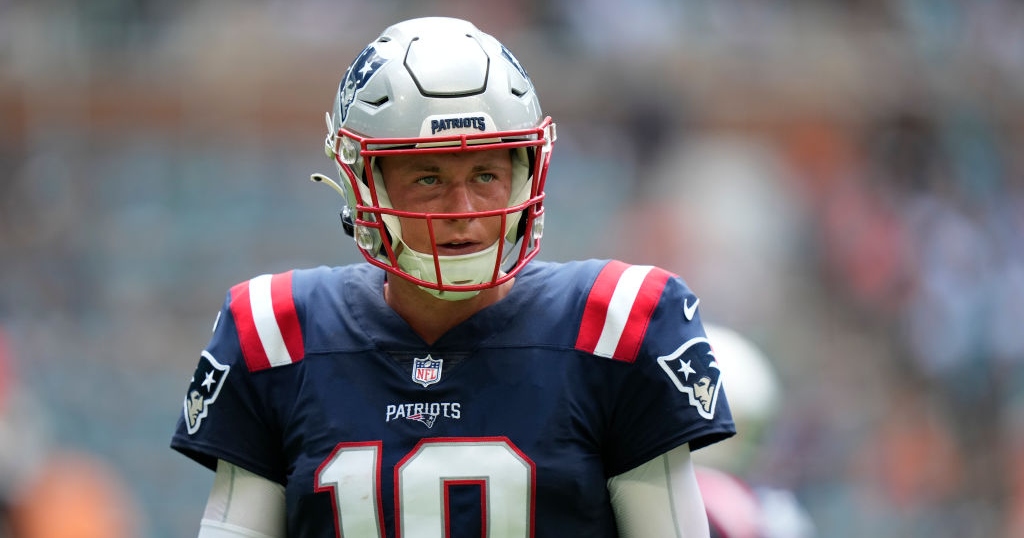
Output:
x=688 y=309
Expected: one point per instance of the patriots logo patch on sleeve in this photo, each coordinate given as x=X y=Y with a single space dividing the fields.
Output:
x=203 y=390
x=695 y=372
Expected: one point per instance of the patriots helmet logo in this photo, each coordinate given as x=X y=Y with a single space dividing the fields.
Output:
x=507 y=54
x=695 y=372
x=203 y=390
x=357 y=75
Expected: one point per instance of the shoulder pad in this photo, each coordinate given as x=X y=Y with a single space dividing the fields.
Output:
x=267 y=321
x=619 y=309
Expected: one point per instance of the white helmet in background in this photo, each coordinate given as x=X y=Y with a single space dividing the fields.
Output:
x=737 y=508
x=754 y=397
x=438 y=85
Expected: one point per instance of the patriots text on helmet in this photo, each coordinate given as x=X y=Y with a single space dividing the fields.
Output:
x=469 y=122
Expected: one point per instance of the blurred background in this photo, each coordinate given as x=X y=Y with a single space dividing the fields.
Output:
x=840 y=182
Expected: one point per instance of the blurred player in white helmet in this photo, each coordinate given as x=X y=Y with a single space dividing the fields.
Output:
x=736 y=507
x=754 y=398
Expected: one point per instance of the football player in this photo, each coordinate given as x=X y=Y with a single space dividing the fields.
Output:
x=451 y=385
x=736 y=506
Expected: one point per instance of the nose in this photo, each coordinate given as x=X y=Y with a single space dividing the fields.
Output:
x=459 y=199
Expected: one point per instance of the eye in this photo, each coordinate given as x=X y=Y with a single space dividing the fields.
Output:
x=486 y=177
x=428 y=180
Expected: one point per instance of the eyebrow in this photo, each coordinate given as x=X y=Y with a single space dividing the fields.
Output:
x=433 y=168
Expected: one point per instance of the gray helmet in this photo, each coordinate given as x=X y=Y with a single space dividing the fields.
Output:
x=423 y=85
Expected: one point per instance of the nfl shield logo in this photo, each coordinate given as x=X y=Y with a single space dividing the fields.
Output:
x=426 y=371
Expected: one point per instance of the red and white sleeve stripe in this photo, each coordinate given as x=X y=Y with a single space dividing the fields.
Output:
x=267 y=322
x=619 y=309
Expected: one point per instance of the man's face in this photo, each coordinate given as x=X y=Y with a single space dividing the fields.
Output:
x=464 y=182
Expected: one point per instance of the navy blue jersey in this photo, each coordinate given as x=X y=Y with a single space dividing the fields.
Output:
x=508 y=426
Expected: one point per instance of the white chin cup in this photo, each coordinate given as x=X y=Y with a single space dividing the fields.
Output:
x=462 y=270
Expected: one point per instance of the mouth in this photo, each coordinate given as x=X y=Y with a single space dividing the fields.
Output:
x=457 y=247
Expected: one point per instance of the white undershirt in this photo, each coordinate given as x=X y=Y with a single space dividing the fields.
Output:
x=659 y=498
x=243 y=504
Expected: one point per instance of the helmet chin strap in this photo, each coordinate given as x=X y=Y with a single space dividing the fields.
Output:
x=461 y=270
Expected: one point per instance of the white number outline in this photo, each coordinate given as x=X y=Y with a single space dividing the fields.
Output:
x=422 y=480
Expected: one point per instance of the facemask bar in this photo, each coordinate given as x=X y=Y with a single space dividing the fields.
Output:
x=372 y=235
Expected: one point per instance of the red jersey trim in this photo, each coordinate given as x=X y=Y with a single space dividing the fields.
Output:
x=619 y=309
x=268 y=326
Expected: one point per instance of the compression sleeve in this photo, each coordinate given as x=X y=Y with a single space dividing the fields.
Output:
x=243 y=504
x=660 y=498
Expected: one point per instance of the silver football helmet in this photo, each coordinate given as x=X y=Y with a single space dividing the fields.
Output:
x=438 y=85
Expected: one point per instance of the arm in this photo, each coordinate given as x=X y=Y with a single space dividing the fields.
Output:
x=660 y=498
x=243 y=505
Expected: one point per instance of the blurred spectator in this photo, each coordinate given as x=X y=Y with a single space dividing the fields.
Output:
x=25 y=440
x=75 y=495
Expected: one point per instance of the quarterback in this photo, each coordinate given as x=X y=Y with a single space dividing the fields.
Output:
x=451 y=385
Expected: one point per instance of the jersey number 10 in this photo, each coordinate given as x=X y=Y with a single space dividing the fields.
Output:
x=422 y=481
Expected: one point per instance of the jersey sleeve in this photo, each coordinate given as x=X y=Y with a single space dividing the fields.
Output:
x=668 y=390
x=231 y=409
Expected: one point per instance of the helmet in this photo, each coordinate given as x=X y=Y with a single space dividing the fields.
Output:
x=438 y=85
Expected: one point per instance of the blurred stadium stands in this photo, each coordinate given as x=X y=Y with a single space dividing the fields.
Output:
x=841 y=181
